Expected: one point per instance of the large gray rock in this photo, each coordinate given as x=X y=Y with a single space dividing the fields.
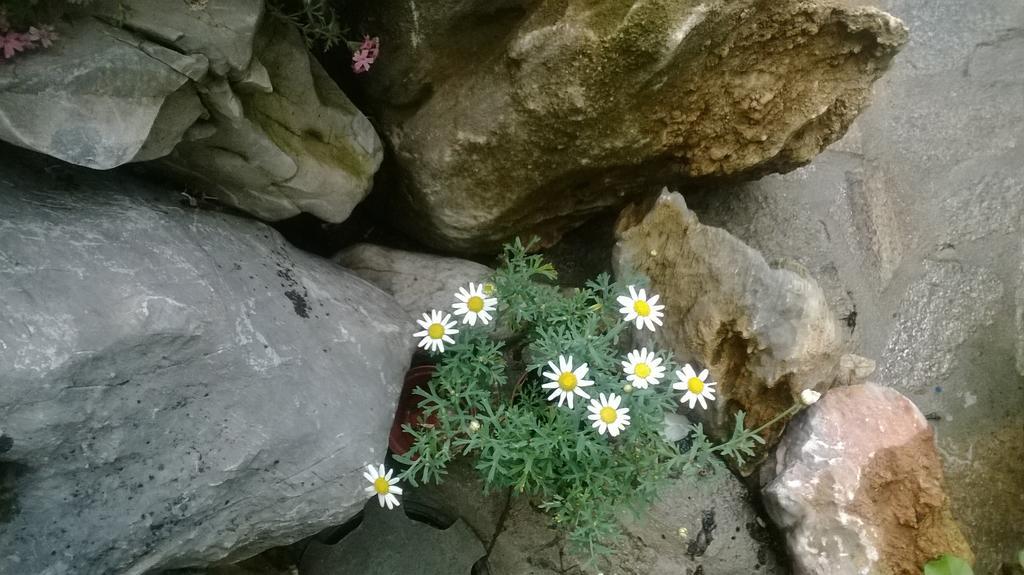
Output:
x=522 y=117
x=765 y=333
x=288 y=145
x=419 y=282
x=101 y=97
x=915 y=222
x=222 y=31
x=856 y=487
x=180 y=386
x=252 y=119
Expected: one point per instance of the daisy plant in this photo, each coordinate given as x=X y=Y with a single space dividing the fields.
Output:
x=540 y=387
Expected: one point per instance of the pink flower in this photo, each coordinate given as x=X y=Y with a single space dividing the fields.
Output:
x=371 y=46
x=44 y=34
x=12 y=42
x=366 y=55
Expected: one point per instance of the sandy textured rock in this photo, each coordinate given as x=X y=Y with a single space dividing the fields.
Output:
x=101 y=97
x=856 y=485
x=419 y=282
x=765 y=333
x=302 y=147
x=913 y=224
x=523 y=117
x=180 y=386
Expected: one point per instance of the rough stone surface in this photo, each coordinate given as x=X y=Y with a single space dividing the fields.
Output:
x=567 y=108
x=706 y=523
x=222 y=31
x=857 y=487
x=230 y=100
x=302 y=147
x=389 y=542
x=101 y=97
x=419 y=282
x=180 y=386
x=765 y=333
x=914 y=226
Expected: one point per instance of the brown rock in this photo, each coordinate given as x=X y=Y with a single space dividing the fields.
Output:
x=856 y=485
x=765 y=334
x=519 y=117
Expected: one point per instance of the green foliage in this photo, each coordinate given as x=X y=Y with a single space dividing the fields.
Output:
x=486 y=402
x=316 y=19
x=948 y=565
x=1020 y=558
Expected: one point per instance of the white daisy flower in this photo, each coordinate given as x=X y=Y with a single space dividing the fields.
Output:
x=473 y=304
x=383 y=486
x=566 y=381
x=697 y=387
x=638 y=308
x=809 y=397
x=643 y=368
x=437 y=331
x=607 y=415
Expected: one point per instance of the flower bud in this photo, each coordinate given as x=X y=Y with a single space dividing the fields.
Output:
x=809 y=397
x=627 y=388
x=474 y=426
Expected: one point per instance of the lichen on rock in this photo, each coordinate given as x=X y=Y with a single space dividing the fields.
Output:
x=765 y=333
x=568 y=108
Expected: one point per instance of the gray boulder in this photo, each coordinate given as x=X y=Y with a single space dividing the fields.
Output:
x=420 y=282
x=222 y=31
x=101 y=97
x=180 y=386
x=282 y=142
x=523 y=117
x=228 y=99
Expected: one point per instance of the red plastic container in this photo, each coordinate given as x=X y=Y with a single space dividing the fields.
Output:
x=408 y=411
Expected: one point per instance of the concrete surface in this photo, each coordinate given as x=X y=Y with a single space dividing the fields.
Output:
x=913 y=225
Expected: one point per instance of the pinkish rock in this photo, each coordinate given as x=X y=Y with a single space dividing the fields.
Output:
x=856 y=486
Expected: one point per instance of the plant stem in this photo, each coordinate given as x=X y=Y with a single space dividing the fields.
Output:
x=793 y=409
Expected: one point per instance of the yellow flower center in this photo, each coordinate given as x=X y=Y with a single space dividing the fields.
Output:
x=435 y=331
x=608 y=414
x=475 y=304
x=381 y=485
x=695 y=385
x=641 y=308
x=642 y=369
x=567 y=381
